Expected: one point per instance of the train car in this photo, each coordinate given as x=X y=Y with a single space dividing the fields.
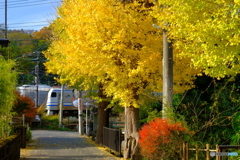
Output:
x=30 y=91
x=53 y=101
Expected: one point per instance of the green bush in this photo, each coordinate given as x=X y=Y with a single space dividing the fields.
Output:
x=7 y=86
x=28 y=134
x=51 y=122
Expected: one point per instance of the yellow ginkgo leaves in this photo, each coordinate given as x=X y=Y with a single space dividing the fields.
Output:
x=114 y=44
x=207 y=32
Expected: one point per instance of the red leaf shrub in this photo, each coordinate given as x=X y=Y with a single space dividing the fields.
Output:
x=24 y=105
x=160 y=139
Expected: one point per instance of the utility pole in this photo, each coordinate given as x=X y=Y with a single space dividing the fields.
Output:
x=167 y=74
x=37 y=77
x=79 y=104
x=80 y=108
x=167 y=64
x=61 y=106
x=6 y=19
x=87 y=118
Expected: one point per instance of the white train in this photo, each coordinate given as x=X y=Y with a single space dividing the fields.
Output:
x=53 y=102
x=49 y=98
x=30 y=91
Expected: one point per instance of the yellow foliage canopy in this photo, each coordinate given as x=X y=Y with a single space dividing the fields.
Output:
x=112 y=43
x=205 y=31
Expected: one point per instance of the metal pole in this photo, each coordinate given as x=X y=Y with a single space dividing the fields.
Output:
x=37 y=79
x=37 y=83
x=23 y=119
x=80 y=117
x=61 y=106
x=86 y=120
x=6 y=19
x=167 y=74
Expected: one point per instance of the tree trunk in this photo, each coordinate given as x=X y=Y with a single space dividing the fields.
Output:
x=167 y=74
x=103 y=115
x=131 y=148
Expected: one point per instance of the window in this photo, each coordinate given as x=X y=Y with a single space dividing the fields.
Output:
x=54 y=94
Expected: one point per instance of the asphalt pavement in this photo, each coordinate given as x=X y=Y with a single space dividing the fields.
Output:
x=62 y=145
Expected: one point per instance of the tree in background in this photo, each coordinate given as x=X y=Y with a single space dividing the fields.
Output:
x=23 y=47
x=20 y=45
x=41 y=38
x=7 y=88
x=209 y=109
x=22 y=40
x=20 y=50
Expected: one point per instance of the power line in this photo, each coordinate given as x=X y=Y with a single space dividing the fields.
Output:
x=31 y=39
x=28 y=22
x=15 y=25
x=21 y=2
x=27 y=26
x=27 y=5
x=17 y=4
x=14 y=1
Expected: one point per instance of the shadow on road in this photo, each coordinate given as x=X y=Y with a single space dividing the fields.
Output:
x=62 y=145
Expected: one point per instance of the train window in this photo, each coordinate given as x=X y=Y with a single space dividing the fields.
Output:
x=54 y=94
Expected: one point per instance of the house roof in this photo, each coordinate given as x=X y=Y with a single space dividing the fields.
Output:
x=4 y=42
x=3 y=39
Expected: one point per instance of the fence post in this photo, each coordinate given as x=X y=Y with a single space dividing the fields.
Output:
x=217 y=150
x=109 y=139
x=120 y=141
x=196 y=152
x=207 y=152
x=185 y=151
x=103 y=140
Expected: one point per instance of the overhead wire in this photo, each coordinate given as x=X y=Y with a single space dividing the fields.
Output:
x=17 y=2
x=14 y=1
x=20 y=2
x=11 y=4
x=31 y=39
x=28 y=5
x=28 y=24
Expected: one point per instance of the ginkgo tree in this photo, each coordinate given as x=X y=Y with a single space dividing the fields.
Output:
x=114 y=44
x=206 y=31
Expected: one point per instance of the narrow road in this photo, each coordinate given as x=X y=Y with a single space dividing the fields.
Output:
x=62 y=145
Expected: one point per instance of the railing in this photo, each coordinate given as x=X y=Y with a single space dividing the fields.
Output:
x=210 y=154
x=10 y=148
x=112 y=139
x=116 y=124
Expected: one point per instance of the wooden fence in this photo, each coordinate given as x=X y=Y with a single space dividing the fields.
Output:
x=210 y=154
x=10 y=148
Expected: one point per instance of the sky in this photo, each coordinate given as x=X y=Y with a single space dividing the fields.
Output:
x=28 y=14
